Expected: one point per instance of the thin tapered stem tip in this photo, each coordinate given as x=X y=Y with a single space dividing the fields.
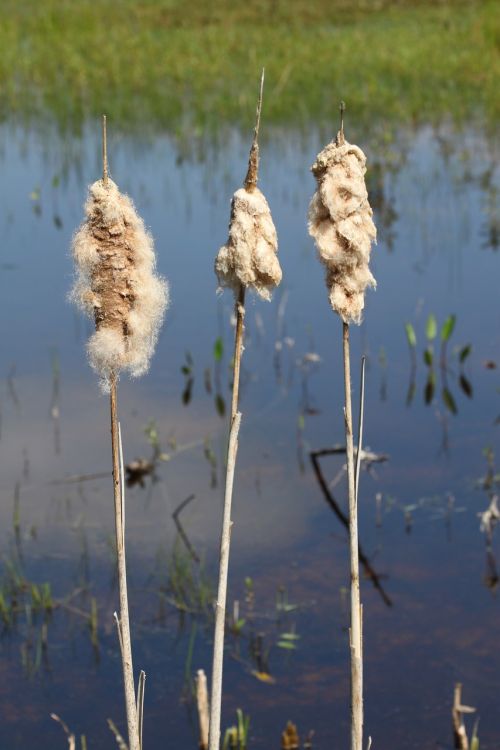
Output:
x=342 y=109
x=104 y=150
x=253 y=160
x=259 y=104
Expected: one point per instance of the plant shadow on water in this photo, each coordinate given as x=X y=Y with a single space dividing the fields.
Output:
x=430 y=578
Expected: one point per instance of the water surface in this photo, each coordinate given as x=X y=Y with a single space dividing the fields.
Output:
x=434 y=623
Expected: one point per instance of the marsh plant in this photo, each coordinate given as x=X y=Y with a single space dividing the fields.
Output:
x=117 y=286
x=340 y=221
x=437 y=358
x=247 y=260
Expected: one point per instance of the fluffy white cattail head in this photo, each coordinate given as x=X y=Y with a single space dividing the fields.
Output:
x=249 y=257
x=116 y=283
x=340 y=220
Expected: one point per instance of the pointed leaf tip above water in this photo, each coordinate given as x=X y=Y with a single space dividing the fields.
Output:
x=448 y=327
x=431 y=327
x=410 y=335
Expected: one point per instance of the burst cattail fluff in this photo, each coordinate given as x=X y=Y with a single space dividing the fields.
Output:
x=116 y=283
x=249 y=257
x=340 y=220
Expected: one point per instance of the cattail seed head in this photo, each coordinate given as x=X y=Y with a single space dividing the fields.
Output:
x=249 y=258
x=340 y=220
x=116 y=283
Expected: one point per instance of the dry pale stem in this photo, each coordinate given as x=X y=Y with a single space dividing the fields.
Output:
x=220 y=607
x=203 y=709
x=457 y=713
x=123 y=622
x=355 y=632
x=238 y=348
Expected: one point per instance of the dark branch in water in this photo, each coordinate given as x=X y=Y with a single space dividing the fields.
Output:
x=369 y=570
x=180 y=528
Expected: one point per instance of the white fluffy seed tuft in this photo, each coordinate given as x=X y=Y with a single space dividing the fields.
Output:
x=340 y=220
x=116 y=283
x=249 y=257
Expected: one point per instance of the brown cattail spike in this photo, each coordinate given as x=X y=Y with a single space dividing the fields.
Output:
x=253 y=160
x=116 y=283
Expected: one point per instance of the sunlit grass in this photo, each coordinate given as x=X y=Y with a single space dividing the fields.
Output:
x=169 y=64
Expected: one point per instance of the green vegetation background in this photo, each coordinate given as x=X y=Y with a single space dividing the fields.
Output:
x=194 y=64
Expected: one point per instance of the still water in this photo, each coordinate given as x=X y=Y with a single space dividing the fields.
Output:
x=432 y=617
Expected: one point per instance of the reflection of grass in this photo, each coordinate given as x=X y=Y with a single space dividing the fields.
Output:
x=160 y=62
x=189 y=585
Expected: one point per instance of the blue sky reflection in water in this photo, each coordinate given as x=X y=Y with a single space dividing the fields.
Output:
x=433 y=201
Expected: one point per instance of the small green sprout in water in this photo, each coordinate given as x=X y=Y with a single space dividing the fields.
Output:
x=282 y=603
x=431 y=327
x=210 y=456
x=446 y=373
x=236 y=737
x=448 y=328
x=238 y=623
x=187 y=370
x=93 y=623
x=189 y=589
x=474 y=741
x=411 y=336
x=218 y=349
x=288 y=641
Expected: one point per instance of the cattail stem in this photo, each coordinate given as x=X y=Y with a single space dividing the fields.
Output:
x=355 y=632
x=238 y=348
x=220 y=606
x=123 y=620
x=225 y=267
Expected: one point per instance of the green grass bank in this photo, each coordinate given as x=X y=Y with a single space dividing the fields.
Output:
x=175 y=65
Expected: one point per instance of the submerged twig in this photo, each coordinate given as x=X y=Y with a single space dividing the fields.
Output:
x=180 y=528
x=457 y=714
x=69 y=735
x=119 y=739
x=370 y=572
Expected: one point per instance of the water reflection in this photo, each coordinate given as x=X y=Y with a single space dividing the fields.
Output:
x=422 y=548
